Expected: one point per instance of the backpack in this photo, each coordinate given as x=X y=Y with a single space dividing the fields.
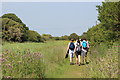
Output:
x=78 y=48
x=71 y=46
x=84 y=44
x=88 y=45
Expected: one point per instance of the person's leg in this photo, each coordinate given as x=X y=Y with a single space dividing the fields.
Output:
x=76 y=57
x=86 y=57
x=79 y=58
x=71 y=56
x=76 y=60
x=83 y=60
x=83 y=57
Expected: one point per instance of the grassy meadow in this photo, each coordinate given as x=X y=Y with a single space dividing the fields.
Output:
x=46 y=60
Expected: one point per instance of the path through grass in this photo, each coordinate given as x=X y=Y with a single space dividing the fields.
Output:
x=103 y=62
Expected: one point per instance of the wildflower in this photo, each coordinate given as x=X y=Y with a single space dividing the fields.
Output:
x=9 y=65
x=102 y=60
x=2 y=59
x=109 y=67
x=100 y=70
x=5 y=53
x=8 y=77
x=20 y=62
x=0 y=55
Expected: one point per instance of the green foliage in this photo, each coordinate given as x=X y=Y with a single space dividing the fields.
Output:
x=34 y=60
x=13 y=29
x=65 y=37
x=73 y=36
x=108 y=29
x=14 y=18
x=109 y=13
x=57 y=38
x=47 y=37
x=105 y=61
x=22 y=65
x=84 y=36
x=34 y=36
x=26 y=61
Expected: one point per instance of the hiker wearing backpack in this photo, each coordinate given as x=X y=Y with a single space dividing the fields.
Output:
x=84 y=49
x=78 y=49
x=71 y=48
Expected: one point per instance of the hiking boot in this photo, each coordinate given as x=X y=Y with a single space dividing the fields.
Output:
x=82 y=64
x=87 y=62
x=71 y=63
x=79 y=65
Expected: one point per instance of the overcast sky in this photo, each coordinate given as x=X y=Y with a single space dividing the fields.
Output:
x=55 y=18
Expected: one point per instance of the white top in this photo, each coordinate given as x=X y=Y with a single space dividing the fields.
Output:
x=77 y=43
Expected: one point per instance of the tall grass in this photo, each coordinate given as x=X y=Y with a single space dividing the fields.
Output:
x=38 y=60
x=0 y=58
x=19 y=65
x=104 y=61
x=32 y=60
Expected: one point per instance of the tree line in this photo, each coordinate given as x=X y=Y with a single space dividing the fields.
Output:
x=108 y=29
x=14 y=30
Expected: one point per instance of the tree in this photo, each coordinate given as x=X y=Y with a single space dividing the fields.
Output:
x=109 y=27
x=73 y=36
x=65 y=37
x=15 y=18
x=11 y=30
x=109 y=16
x=47 y=37
x=84 y=35
x=34 y=36
x=11 y=20
x=57 y=38
x=109 y=13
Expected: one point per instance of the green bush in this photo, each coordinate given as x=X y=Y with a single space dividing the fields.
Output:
x=65 y=37
x=14 y=18
x=13 y=29
x=34 y=36
x=47 y=37
x=73 y=36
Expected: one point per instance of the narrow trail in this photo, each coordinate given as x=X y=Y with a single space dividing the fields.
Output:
x=72 y=71
x=102 y=64
x=97 y=67
x=75 y=71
